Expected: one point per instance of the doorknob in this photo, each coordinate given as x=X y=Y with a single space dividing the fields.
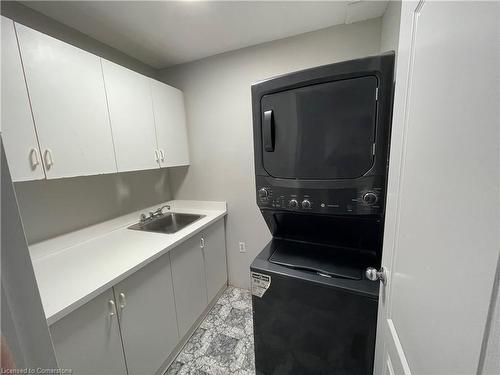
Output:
x=374 y=275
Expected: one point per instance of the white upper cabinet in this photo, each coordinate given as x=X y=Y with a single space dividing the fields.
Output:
x=67 y=112
x=68 y=100
x=170 y=121
x=18 y=130
x=131 y=114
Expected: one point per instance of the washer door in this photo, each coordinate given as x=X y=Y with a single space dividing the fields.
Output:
x=320 y=132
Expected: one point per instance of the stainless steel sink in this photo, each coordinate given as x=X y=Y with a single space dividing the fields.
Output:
x=168 y=223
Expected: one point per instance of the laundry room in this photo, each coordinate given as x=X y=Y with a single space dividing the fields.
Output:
x=250 y=187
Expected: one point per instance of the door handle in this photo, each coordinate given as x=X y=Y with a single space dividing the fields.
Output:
x=374 y=275
x=111 y=308
x=268 y=131
x=157 y=156
x=202 y=243
x=34 y=158
x=162 y=155
x=123 y=301
x=49 y=161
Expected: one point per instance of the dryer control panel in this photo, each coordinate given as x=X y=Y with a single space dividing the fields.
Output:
x=342 y=201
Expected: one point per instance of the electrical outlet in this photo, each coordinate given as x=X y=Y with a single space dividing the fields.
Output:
x=243 y=249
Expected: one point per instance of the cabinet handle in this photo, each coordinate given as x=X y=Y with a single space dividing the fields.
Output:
x=111 y=308
x=157 y=157
x=49 y=161
x=202 y=243
x=123 y=301
x=162 y=154
x=34 y=158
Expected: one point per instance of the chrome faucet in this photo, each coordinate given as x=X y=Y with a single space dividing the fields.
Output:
x=154 y=214
x=158 y=212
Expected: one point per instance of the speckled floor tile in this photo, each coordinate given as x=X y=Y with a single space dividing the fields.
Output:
x=223 y=344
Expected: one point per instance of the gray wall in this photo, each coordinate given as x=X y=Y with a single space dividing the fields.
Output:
x=53 y=207
x=217 y=94
x=38 y=21
x=23 y=323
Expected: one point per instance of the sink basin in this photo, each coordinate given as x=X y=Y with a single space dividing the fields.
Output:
x=168 y=223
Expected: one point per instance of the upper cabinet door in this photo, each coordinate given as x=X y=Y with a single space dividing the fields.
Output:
x=170 y=120
x=132 y=121
x=68 y=100
x=18 y=130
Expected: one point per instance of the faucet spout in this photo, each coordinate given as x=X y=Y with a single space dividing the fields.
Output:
x=154 y=214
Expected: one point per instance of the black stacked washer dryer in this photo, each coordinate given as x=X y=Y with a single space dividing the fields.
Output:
x=321 y=139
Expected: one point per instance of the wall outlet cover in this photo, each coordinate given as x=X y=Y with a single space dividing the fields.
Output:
x=242 y=247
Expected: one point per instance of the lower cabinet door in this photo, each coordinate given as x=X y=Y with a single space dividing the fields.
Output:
x=214 y=251
x=88 y=340
x=146 y=309
x=188 y=275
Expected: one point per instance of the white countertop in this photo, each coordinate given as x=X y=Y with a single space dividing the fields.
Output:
x=74 y=268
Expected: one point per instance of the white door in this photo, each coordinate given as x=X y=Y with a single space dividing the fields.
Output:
x=67 y=95
x=88 y=340
x=441 y=239
x=131 y=112
x=148 y=322
x=214 y=254
x=18 y=129
x=170 y=120
x=188 y=276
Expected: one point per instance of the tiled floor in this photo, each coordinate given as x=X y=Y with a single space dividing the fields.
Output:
x=223 y=344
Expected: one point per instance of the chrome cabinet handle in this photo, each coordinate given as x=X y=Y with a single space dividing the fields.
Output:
x=202 y=243
x=157 y=156
x=123 y=301
x=49 y=161
x=111 y=308
x=34 y=158
x=162 y=154
x=374 y=275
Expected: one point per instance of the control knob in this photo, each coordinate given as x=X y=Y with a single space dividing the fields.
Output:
x=370 y=198
x=306 y=204
x=263 y=193
x=293 y=203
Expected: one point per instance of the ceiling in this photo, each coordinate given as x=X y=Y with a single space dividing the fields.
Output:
x=165 y=33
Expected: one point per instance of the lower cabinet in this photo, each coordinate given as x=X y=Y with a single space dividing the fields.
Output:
x=214 y=253
x=134 y=327
x=199 y=272
x=88 y=340
x=146 y=310
x=188 y=275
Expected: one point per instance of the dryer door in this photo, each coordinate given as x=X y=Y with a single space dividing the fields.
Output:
x=320 y=132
